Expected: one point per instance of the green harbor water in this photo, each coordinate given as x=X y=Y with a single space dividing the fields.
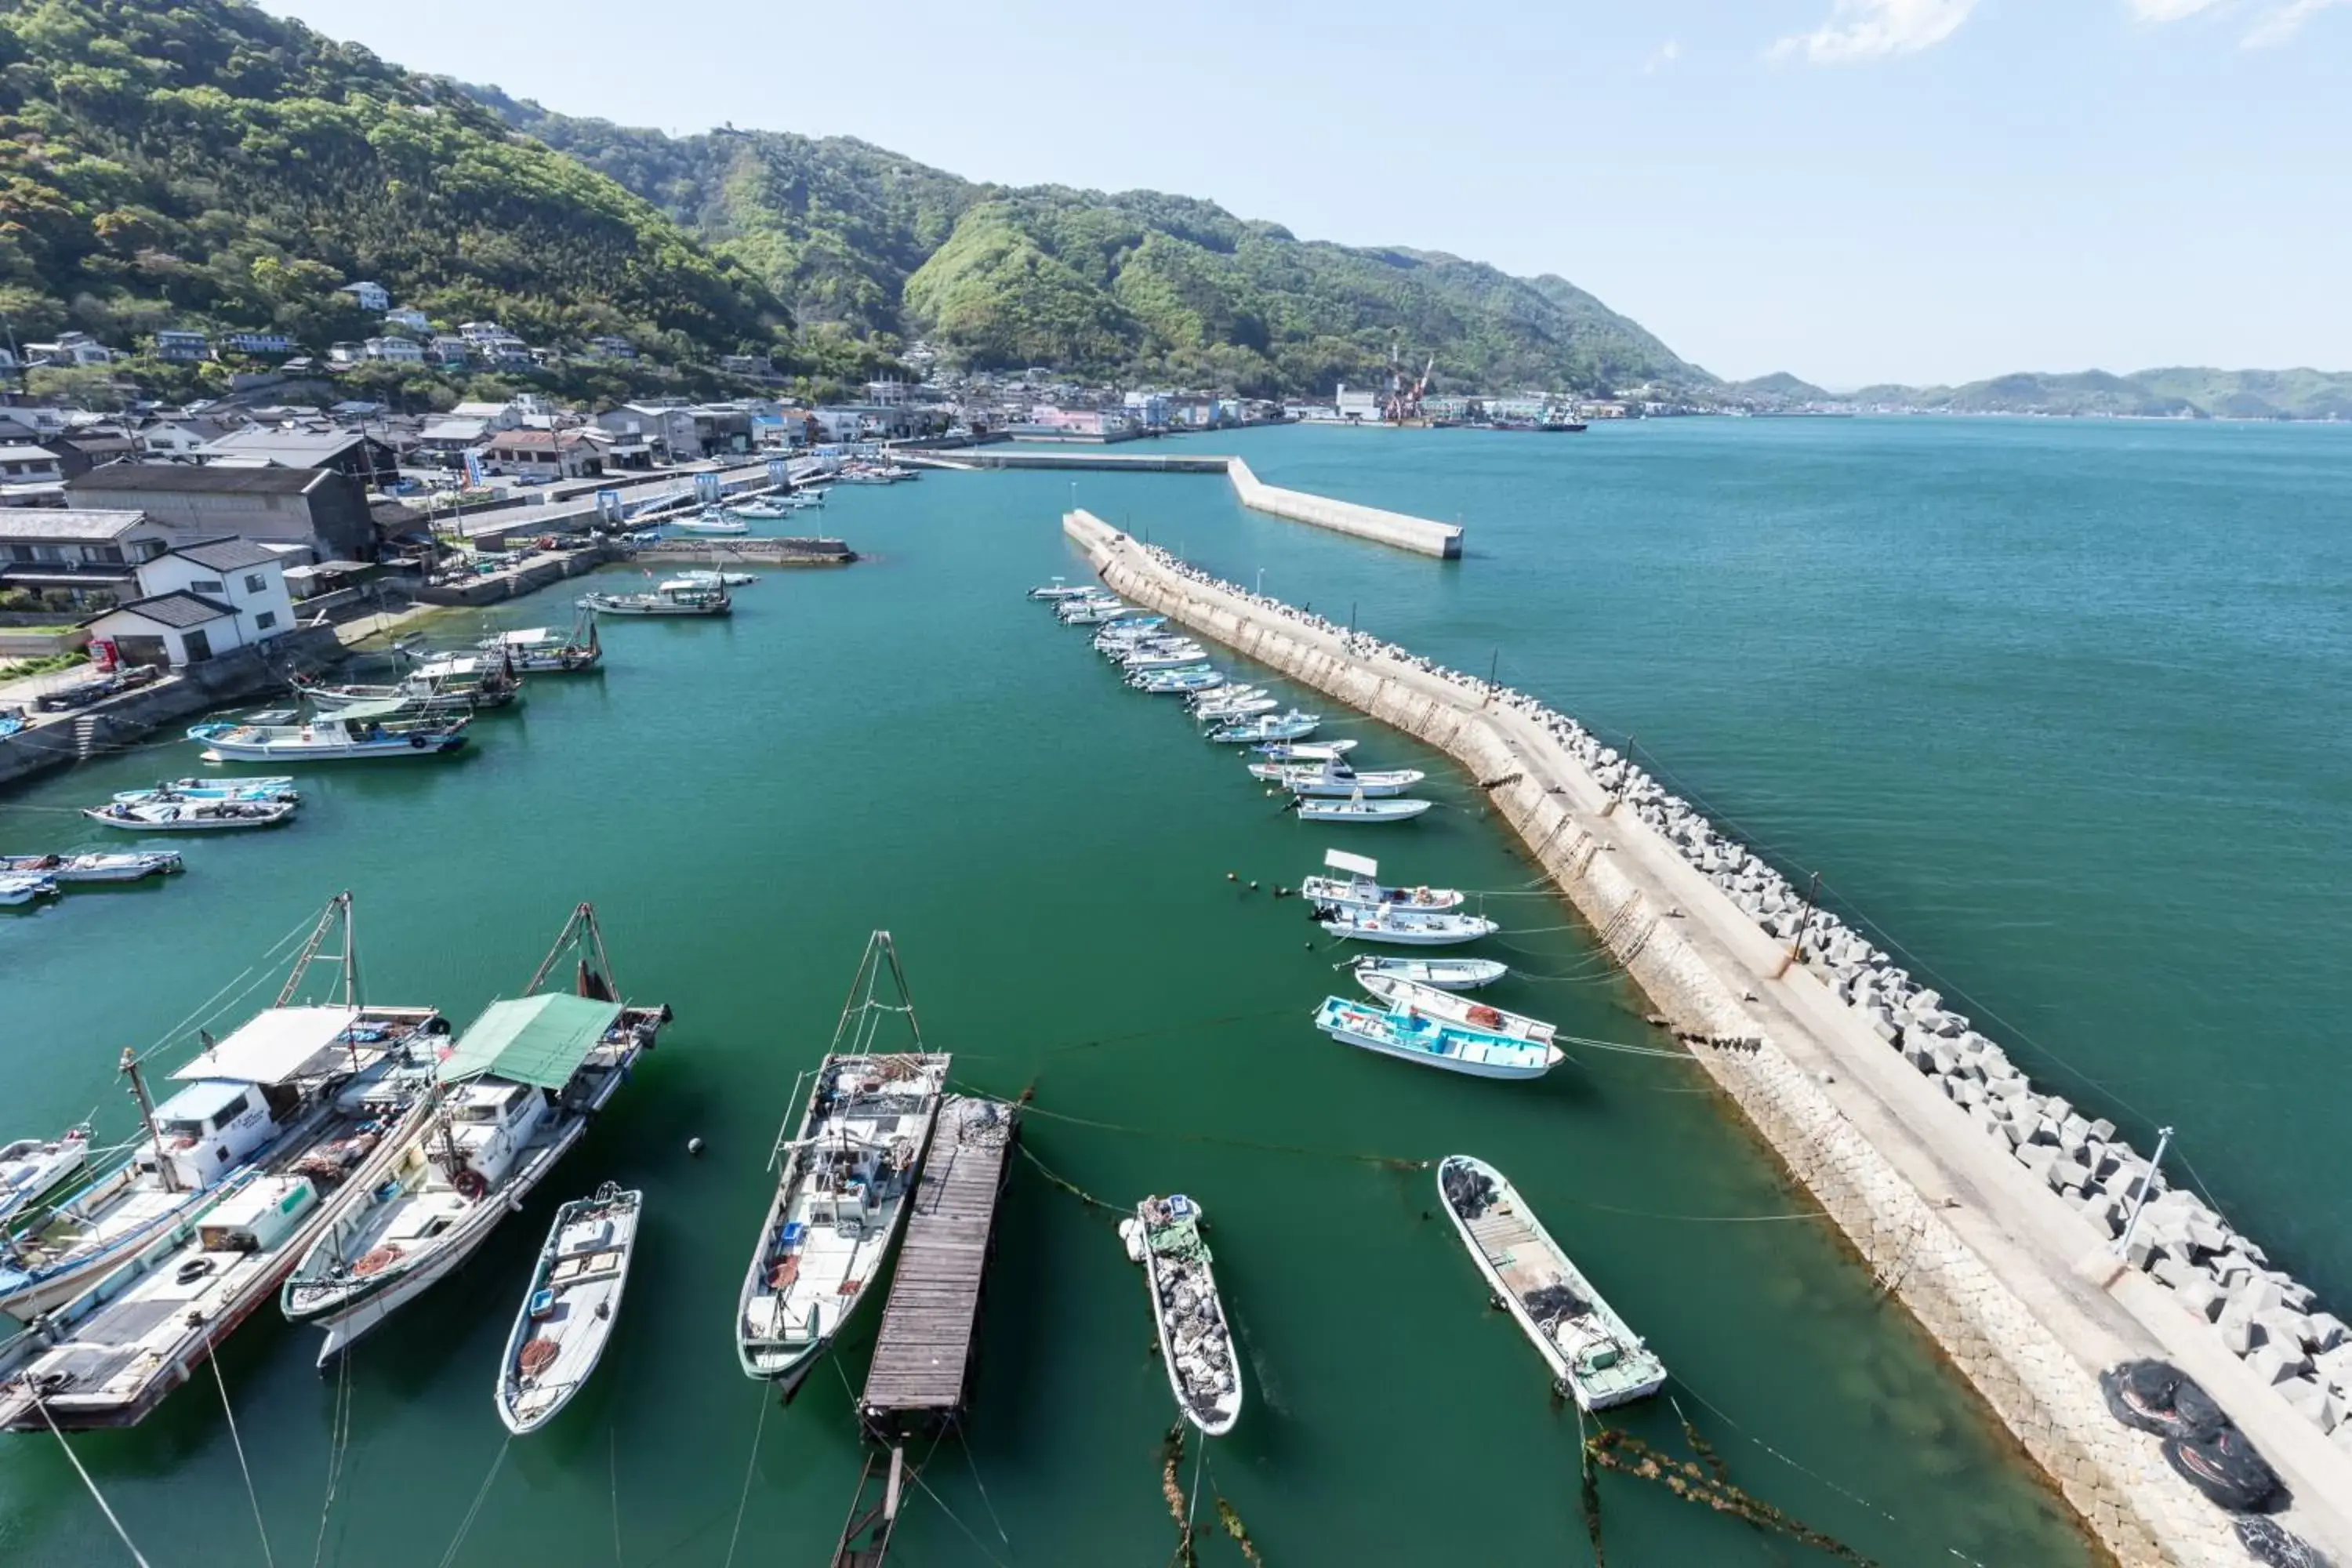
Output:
x=2063 y=707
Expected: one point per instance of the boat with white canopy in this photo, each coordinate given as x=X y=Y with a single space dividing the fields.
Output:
x=1397 y=993
x=361 y=733
x=1410 y=1034
x=1361 y=888
x=569 y=1312
x=450 y=684
x=675 y=597
x=1334 y=778
x=846 y=1173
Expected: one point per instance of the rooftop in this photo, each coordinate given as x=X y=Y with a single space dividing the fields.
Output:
x=179 y=608
x=24 y=453
x=68 y=526
x=230 y=554
x=183 y=478
x=301 y=448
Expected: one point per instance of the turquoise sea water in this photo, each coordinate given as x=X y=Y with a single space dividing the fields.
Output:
x=2017 y=689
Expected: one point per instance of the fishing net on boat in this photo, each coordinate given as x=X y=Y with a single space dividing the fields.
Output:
x=2266 y=1541
x=1547 y=1303
x=2225 y=1467
x=1467 y=1191
x=537 y=1357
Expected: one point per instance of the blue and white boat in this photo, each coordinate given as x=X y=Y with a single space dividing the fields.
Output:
x=33 y=1168
x=1409 y=1035
x=278 y=786
x=1177 y=656
x=364 y=731
x=1169 y=682
x=1290 y=726
x=24 y=887
x=1360 y=889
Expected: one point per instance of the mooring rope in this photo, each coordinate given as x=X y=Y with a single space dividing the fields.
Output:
x=339 y=1437
x=978 y=1544
x=612 y=1469
x=481 y=1495
x=986 y=1501
x=97 y=1497
x=1390 y=1162
x=750 y=1468
x=268 y=1559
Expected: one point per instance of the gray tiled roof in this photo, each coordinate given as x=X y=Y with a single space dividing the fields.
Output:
x=41 y=525
x=179 y=609
x=231 y=554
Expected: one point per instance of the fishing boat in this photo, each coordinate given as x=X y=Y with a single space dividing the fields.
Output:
x=676 y=597
x=1163 y=655
x=279 y=1126
x=1242 y=708
x=759 y=509
x=710 y=521
x=1400 y=994
x=1171 y=682
x=33 y=1168
x=515 y=1093
x=1335 y=778
x=455 y=684
x=68 y=869
x=191 y=817
x=20 y=888
x=1054 y=590
x=568 y=1314
x=710 y=579
x=1095 y=612
x=1410 y=1034
x=1356 y=809
x=1305 y=750
x=1592 y=1355
x=1360 y=889
x=804 y=500
x=1196 y=1343
x=1127 y=633
x=1442 y=973
x=279 y=787
x=363 y=732
x=543 y=650
x=1292 y=725
x=844 y=1175
x=1406 y=927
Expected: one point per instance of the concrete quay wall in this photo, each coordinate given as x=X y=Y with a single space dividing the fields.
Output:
x=1443 y=540
x=1974 y=1242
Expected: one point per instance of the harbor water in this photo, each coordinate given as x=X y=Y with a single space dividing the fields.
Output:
x=2010 y=686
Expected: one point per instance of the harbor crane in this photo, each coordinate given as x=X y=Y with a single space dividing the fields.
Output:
x=1404 y=398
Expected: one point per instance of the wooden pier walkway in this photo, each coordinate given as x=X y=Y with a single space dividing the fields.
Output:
x=922 y=1358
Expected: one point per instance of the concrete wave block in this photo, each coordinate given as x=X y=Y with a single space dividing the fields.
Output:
x=2275 y=1363
x=2200 y=1295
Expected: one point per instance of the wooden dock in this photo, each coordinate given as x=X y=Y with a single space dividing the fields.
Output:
x=922 y=1370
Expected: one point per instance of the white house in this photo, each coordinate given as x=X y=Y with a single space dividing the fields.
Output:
x=372 y=297
x=179 y=344
x=493 y=415
x=24 y=465
x=71 y=348
x=200 y=601
x=394 y=351
x=409 y=318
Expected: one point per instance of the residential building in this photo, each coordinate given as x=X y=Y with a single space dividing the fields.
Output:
x=394 y=351
x=371 y=297
x=182 y=347
x=611 y=348
x=493 y=415
x=542 y=455
x=262 y=345
x=669 y=428
x=448 y=350
x=364 y=457
x=620 y=450
x=183 y=436
x=757 y=367
x=346 y=354
x=85 y=555
x=27 y=422
x=199 y=601
x=409 y=318
x=317 y=510
x=24 y=464
x=1149 y=409
x=446 y=438
x=71 y=349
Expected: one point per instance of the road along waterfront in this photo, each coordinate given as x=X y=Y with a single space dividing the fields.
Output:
x=2012 y=1282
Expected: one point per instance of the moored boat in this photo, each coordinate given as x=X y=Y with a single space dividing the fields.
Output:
x=452 y=684
x=21 y=887
x=712 y=521
x=1171 y=682
x=675 y=597
x=1406 y=927
x=844 y=1175
x=1443 y=973
x=361 y=733
x=759 y=509
x=543 y=650
x=1357 y=808
x=569 y=1310
x=1196 y=1343
x=1410 y=1034
x=1053 y=590
x=1292 y=725
x=1360 y=889
x=274 y=787
x=516 y=1091
x=190 y=816
x=1335 y=780
x=1593 y=1356
x=33 y=1168
x=1304 y=751
x=1398 y=992
x=68 y=869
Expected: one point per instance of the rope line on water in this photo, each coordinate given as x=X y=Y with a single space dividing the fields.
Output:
x=612 y=1468
x=986 y=1501
x=268 y=1559
x=481 y=1495
x=96 y=1496
x=1031 y=1109
x=750 y=1468
x=339 y=1437
x=978 y=1544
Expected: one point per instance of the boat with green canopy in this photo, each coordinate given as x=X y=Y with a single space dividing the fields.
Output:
x=516 y=1091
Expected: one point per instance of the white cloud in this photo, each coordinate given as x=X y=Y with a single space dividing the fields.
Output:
x=2284 y=22
x=1872 y=30
x=1664 y=55
x=2171 y=10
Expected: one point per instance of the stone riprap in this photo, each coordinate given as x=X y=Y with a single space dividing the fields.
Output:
x=1988 y=1207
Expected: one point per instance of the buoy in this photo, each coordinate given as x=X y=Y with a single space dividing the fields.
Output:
x=694 y=1146
x=1229 y=876
x=1252 y=887
x=1309 y=946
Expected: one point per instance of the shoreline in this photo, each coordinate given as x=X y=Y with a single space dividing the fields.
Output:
x=2018 y=1286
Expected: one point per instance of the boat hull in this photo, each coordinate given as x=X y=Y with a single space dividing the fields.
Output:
x=191 y=821
x=1378 y=1047
x=1437 y=931
x=1220 y=1420
x=1445 y=973
x=1338 y=813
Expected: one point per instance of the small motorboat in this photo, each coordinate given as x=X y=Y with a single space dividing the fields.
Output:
x=1055 y=590
x=66 y=869
x=1292 y=725
x=1414 y=1036
x=1303 y=751
x=1360 y=889
x=1592 y=1355
x=760 y=509
x=1406 y=927
x=710 y=579
x=1182 y=656
x=1196 y=1343
x=452 y=685
x=1335 y=779
x=568 y=1314
x=276 y=786
x=1127 y=633
x=18 y=888
x=1356 y=809
x=365 y=730
x=1442 y=973
x=675 y=597
x=33 y=1168
x=1170 y=682
x=1401 y=993
x=192 y=816
x=1239 y=708
x=710 y=521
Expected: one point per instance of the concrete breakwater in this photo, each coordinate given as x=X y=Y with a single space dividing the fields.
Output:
x=1989 y=1210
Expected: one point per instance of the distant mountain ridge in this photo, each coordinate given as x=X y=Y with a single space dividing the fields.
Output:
x=2170 y=393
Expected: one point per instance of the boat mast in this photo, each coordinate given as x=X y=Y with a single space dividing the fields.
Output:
x=339 y=907
x=580 y=934
x=130 y=1070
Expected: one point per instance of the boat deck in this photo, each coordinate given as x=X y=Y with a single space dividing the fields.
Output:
x=922 y=1358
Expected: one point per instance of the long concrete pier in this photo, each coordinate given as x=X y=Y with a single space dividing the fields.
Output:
x=2018 y=1284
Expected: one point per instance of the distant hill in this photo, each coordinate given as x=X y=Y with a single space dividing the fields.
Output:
x=863 y=241
x=1780 y=386
x=2174 y=393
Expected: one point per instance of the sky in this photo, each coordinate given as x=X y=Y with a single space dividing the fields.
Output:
x=1851 y=190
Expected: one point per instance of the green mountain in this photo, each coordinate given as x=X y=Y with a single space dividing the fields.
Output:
x=2181 y=391
x=860 y=241
x=202 y=162
x=1778 y=388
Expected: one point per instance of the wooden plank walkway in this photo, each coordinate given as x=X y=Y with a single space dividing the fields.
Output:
x=922 y=1358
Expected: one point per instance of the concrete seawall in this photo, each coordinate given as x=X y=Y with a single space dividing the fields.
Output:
x=1419 y=534
x=2016 y=1283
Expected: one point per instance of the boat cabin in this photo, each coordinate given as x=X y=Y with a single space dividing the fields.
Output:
x=490 y=1121
x=258 y=1217
x=211 y=1127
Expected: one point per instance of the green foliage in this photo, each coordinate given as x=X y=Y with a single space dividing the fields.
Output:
x=2190 y=391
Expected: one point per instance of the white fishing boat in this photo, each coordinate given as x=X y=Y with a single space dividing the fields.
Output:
x=443 y=686
x=1361 y=888
x=710 y=579
x=1398 y=994
x=274 y=787
x=568 y=1314
x=33 y=1168
x=1170 y=656
x=1171 y=682
x=676 y=597
x=67 y=870
x=845 y=1172
x=1196 y=1342
x=1304 y=751
x=190 y=816
x=1406 y=927
x=759 y=509
x=1357 y=808
x=1292 y=725
x=1335 y=779
x=1054 y=590
x=1593 y=1356
x=1242 y=708
x=20 y=888
x=361 y=732
x=543 y=650
x=710 y=521
x=1095 y=612
x=515 y=1093
x=1410 y=1034
x=1127 y=633
x=1443 y=973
